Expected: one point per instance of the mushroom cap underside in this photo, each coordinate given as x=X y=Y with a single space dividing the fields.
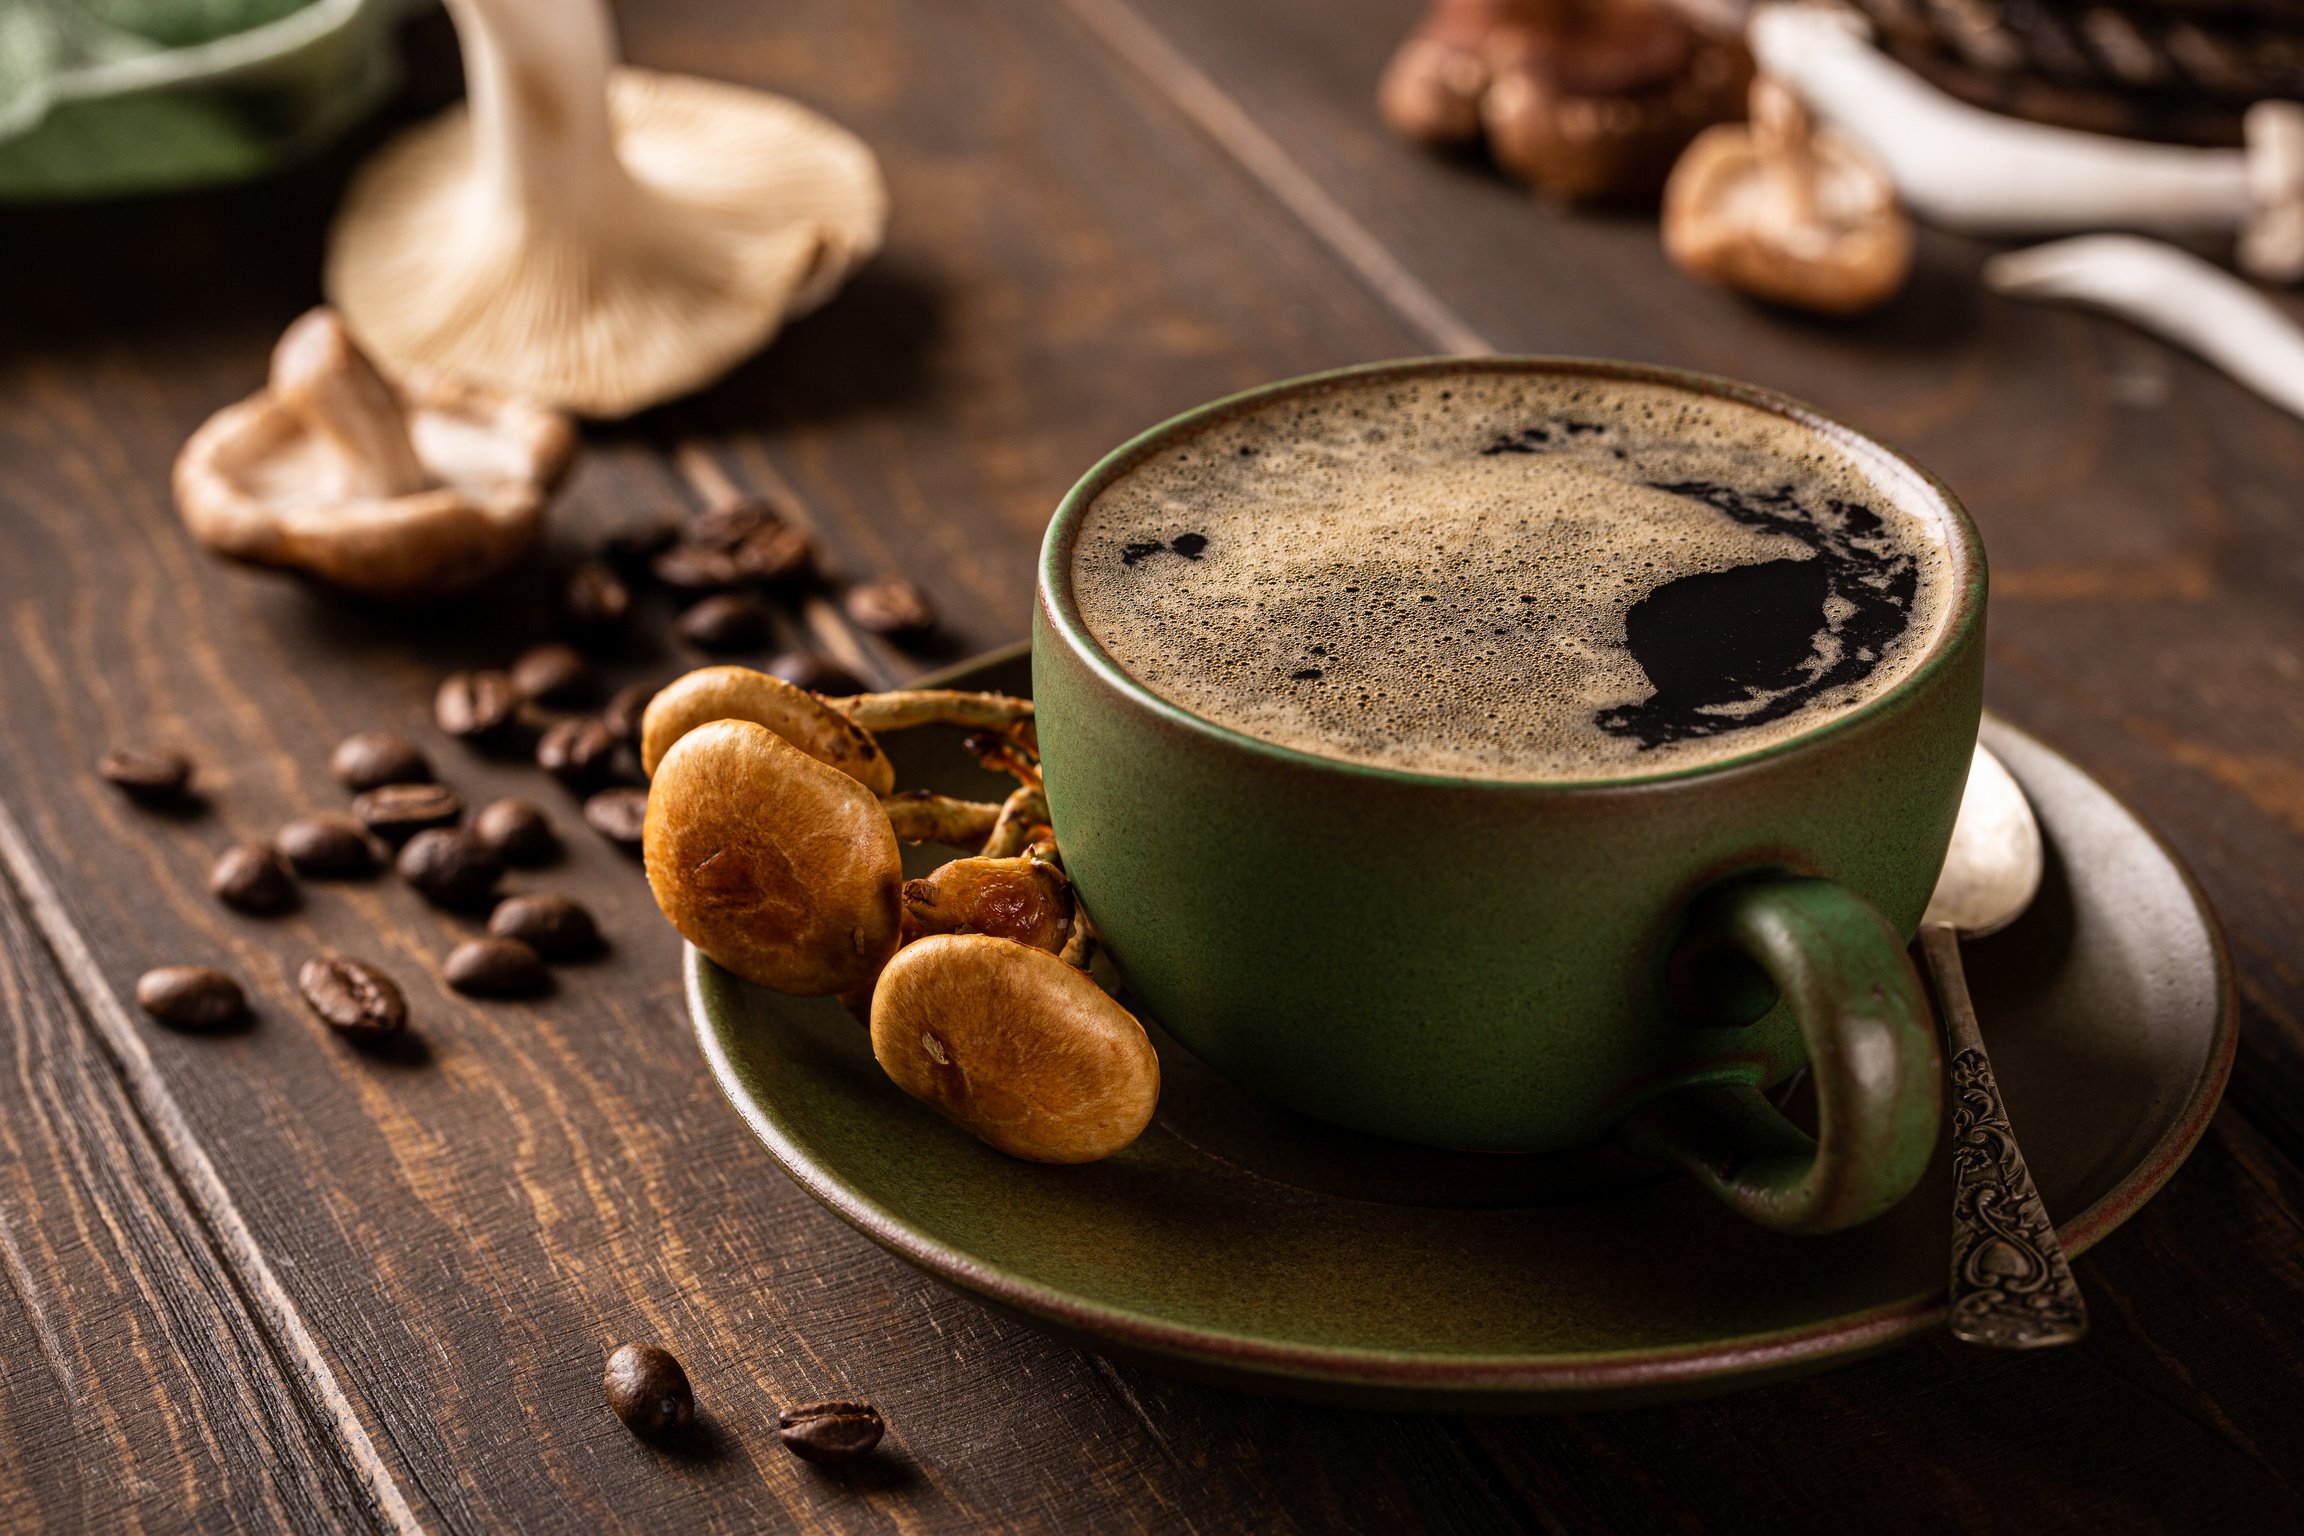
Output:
x=1726 y=220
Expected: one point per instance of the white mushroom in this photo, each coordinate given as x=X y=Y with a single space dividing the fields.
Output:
x=2272 y=243
x=598 y=237
x=2173 y=293
x=1786 y=213
x=416 y=491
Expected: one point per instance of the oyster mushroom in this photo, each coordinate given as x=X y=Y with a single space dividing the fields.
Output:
x=1022 y=898
x=740 y=693
x=1015 y=1047
x=1786 y=213
x=780 y=868
x=598 y=237
x=406 y=491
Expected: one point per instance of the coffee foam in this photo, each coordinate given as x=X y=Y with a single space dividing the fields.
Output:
x=1436 y=574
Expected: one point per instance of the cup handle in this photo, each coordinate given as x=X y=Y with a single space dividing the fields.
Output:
x=1871 y=1050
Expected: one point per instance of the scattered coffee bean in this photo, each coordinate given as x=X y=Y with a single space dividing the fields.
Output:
x=495 y=967
x=630 y=548
x=190 y=996
x=249 y=877
x=516 y=832
x=369 y=760
x=889 y=606
x=622 y=716
x=554 y=926
x=817 y=674
x=450 y=868
x=648 y=1389
x=730 y=621
x=775 y=557
x=830 y=1434
x=476 y=706
x=398 y=812
x=731 y=522
x=579 y=752
x=554 y=674
x=595 y=603
x=696 y=568
x=353 y=997
x=147 y=773
x=619 y=815
x=326 y=846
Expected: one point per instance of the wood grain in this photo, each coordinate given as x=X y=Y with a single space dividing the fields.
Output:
x=385 y=1302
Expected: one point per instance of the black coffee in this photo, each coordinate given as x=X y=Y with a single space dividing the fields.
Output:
x=1511 y=576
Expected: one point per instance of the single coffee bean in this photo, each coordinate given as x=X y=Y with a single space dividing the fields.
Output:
x=190 y=996
x=631 y=547
x=326 y=846
x=369 y=760
x=476 y=706
x=249 y=877
x=696 y=568
x=830 y=1434
x=619 y=815
x=398 y=812
x=147 y=773
x=516 y=832
x=730 y=621
x=889 y=606
x=817 y=674
x=554 y=674
x=595 y=602
x=648 y=1389
x=579 y=752
x=495 y=967
x=776 y=557
x=352 y=997
x=554 y=926
x=450 y=868
x=622 y=716
x=731 y=522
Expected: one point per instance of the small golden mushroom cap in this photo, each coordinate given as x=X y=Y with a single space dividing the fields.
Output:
x=740 y=693
x=779 y=868
x=1015 y=1047
x=1021 y=898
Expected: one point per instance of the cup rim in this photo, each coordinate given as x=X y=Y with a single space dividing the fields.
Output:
x=1059 y=605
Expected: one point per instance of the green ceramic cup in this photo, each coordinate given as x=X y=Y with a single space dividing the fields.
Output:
x=1488 y=964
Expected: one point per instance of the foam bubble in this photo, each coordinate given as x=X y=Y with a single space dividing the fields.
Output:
x=1437 y=574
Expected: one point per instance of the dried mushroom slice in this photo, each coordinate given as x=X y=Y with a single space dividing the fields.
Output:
x=1015 y=1047
x=412 y=491
x=776 y=866
x=740 y=693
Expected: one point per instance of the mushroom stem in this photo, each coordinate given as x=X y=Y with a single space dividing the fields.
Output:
x=536 y=73
x=921 y=817
x=1021 y=814
x=1079 y=951
x=1782 y=138
x=329 y=385
x=908 y=707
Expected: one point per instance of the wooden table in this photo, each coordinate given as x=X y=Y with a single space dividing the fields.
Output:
x=262 y=1281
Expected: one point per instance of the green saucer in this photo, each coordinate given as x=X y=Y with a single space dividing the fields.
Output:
x=1240 y=1244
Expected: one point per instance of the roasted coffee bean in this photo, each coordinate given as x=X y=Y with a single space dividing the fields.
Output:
x=249 y=877
x=648 y=1389
x=731 y=621
x=817 y=674
x=595 y=602
x=147 y=773
x=190 y=996
x=450 y=868
x=889 y=606
x=369 y=760
x=776 y=557
x=516 y=832
x=579 y=752
x=352 y=997
x=398 y=812
x=327 y=846
x=830 y=1434
x=696 y=568
x=495 y=967
x=476 y=706
x=622 y=716
x=619 y=815
x=731 y=522
x=630 y=548
x=554 y=926
x=554 y=674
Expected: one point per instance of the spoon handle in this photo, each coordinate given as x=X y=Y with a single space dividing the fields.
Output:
x=2012 y=1287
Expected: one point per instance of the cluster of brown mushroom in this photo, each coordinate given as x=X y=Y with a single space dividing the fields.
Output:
x=772 y=845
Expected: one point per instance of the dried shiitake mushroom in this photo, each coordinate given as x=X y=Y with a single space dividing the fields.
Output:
x=782 y=869
x=740 y=693
x=1014 y=1046
x=1024 y=898
x=404 y=490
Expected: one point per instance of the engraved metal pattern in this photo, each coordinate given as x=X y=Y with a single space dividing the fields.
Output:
x=2012 y=1287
